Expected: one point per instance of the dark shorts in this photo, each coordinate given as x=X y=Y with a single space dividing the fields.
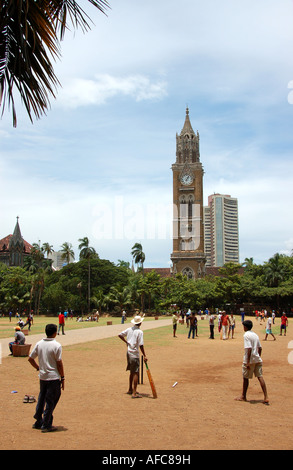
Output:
x=132 y=363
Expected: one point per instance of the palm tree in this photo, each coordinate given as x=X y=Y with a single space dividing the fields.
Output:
x=30 y=264
x=138 y=255
x=30 y=33
x=87 y=252
x=47 y=249
x=67 y=253
x=121 y=297
x=275 y=270
x=37 y=253
x=139 y=258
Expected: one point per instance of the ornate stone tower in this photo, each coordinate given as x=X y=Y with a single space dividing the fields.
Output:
x=188 y=234
x=16 y=247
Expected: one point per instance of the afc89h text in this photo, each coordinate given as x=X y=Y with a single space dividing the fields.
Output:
x=148 y=459
x=168 y=459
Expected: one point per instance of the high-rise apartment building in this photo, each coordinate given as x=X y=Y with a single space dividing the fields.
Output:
x=221 y=232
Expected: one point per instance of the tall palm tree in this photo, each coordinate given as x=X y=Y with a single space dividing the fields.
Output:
x=139 y=258
x=30 y=32
x=87 y=252
x=37 y=253
x=138 y=255
x=67 y=253
x=47 y=249
x=275 y=270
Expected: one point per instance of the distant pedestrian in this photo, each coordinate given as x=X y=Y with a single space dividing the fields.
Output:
x=232 y=325
x=284 y=324
x=269 y=329
x=188 y=315
x=219 y=321
x=225 y=325
x=252 y=362
x=192 y=325
x=175 y=318
x=28 y=322
x=61 y=323
x=211 y=325
x=273 y=316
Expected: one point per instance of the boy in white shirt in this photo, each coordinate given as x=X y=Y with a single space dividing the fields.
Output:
x=252 y=362
x=269 y=329
x=51 y=374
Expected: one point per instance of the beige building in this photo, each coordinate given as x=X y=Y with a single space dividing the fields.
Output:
x=221 y=230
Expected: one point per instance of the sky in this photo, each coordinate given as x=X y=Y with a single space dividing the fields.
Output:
x=99 y=163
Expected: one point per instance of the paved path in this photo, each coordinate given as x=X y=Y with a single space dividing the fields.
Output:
x=84 y=335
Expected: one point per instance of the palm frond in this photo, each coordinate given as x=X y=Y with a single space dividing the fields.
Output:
x=28 y=37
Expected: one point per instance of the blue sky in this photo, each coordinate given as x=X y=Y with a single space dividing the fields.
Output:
x=99 y=164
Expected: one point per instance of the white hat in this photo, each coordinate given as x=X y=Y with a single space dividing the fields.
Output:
x=137 y=320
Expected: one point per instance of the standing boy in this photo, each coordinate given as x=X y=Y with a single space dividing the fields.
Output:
x=175 y=318
x=61 y=319
x=269 y=329
x=133 y=337
x=252 y=362
x=225 y=325
x=211 y=325
x=51 y=375
x=284 y=324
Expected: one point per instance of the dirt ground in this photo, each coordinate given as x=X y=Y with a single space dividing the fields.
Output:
x=199 y=413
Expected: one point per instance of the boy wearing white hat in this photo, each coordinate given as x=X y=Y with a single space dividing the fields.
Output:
x=133 y=337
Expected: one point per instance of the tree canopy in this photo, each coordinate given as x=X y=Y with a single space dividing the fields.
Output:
x=116 y=287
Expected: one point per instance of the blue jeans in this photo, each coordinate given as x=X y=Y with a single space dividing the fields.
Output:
x=50 y=391
x=191 y=329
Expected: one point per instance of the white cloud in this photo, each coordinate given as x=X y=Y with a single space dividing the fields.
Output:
x=84 y=92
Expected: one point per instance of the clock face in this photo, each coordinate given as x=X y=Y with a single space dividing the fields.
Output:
x=186 y=179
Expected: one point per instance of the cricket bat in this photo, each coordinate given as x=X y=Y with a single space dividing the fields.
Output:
x=151 y=381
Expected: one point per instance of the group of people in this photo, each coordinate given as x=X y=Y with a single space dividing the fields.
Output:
x=226 y=323
x=51 y=370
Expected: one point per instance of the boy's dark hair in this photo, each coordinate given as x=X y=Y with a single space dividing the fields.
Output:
x=248 y=324
x=50 y=329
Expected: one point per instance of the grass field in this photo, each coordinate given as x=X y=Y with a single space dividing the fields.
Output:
x=7 y=327
x=38 y=327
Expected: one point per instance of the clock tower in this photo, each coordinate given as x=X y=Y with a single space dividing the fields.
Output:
x=188 y=255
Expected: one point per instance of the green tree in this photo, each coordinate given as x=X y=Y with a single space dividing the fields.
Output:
x=120 y=297
x=47 y=249
x=67 y=252
x=138 y=255
x=87 y=252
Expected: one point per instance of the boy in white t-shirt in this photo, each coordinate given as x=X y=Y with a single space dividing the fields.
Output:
x=252 y=361
x=51 y=375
